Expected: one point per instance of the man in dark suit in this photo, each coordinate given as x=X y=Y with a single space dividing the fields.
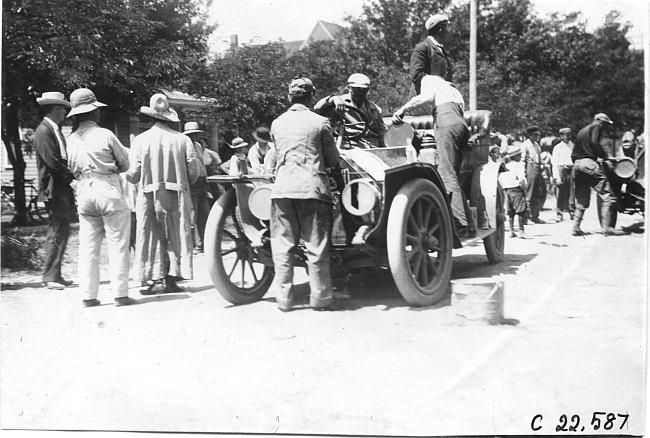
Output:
x=54 y=179
x=429 y=56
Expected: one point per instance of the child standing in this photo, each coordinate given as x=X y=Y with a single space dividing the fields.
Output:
x=239 y=160
x=514 y=183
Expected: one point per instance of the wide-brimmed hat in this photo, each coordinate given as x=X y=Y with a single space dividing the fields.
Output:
x=83 y=101
x=159 y=109
x=434 y=20
x=262 y=134
x=301 y=86
x=52 y=98
x=237 y=143
x=191 y=127
x=359 y=80
x=603 y=118
x=513 y=151
x=565 y=131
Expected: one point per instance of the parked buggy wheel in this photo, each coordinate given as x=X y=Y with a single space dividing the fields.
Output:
x=232 y=261
x=495 y=242
x=419 y=242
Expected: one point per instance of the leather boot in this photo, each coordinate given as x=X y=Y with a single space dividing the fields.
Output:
x=577 y=219
x=606 y=224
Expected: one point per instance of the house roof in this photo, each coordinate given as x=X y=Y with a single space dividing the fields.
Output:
x=322 y=31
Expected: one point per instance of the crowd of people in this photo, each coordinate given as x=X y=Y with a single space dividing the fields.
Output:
x=161 y=181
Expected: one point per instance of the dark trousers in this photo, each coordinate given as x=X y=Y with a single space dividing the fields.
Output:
x=564 y=191
x=201 y=205
x=536 y=191
x=588 y=175
x=60 y=213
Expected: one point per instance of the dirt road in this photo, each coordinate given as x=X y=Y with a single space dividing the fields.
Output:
x=574 y=344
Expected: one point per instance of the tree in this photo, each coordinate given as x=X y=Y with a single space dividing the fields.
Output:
x=123 y=50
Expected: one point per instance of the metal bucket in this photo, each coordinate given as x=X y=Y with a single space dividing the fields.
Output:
x=478 y=300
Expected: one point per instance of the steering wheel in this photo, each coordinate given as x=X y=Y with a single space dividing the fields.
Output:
x=352 y=124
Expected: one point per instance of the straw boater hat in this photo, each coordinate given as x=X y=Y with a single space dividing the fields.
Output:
x=159 y=109
x=83 y=101
x=52 y=98
x=237 y=143
x=191 y=128
x=513 y=151
x=262 y=134
x=565 y=131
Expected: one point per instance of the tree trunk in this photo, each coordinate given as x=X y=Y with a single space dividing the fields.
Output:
x=11 y=139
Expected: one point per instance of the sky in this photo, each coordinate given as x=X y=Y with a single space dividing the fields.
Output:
x=261 y=21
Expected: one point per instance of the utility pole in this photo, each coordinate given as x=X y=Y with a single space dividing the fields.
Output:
x=472 y=55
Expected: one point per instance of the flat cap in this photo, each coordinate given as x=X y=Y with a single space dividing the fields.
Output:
x=603 y=118
x=435 y=20
x=532 y=129
x=301 y=86
x=359 y=80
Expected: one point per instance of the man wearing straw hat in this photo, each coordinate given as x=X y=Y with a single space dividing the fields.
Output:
x=239 y=160
x=563 y=174
x=258 y=154
x=198 y=189
x=163 y=165
x=301 y=199
x=96 y=158
x=54 y=180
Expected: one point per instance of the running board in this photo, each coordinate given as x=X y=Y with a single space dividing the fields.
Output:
x=480 y=235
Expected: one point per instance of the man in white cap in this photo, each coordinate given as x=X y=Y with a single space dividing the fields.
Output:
x=357 y=97
x=429 y=56
x=96 y=158
x=54 y=180
x=563 y=174
x=301 y=206
x=163 y=165
x=588 y=175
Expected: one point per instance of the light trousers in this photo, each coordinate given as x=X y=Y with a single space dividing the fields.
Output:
x=103 y=212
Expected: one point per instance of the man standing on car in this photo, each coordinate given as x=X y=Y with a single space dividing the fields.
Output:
x=54 y=180
x=588 y=174
x=301 y=198
x=358 y=86
x=429 y=56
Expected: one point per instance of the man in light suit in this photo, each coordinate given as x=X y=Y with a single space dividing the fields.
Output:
x=429 y=56
x=54 y=179
x=301 y=197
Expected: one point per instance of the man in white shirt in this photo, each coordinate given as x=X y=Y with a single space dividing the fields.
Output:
x=514 y=183
x=532 y=156
x=562 y=174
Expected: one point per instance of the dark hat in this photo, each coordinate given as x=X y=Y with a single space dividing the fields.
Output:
x=262 y=134
x=532 y=129
x=301 y=86
x=565 y=131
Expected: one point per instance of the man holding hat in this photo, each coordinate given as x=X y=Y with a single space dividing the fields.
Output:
x=588 y=174
x=532 y=156
x=258 y=153
x=301 y=199
x=199 y=188
x=163 y=165
x=358 y=86
x=429 y=56
x=562 y=174
x=54 y=180
x=96 y=158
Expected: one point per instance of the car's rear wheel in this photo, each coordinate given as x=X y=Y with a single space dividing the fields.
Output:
x=419 y=242
x=232 y=261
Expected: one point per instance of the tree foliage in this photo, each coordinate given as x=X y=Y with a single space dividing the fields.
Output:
x=123 y=50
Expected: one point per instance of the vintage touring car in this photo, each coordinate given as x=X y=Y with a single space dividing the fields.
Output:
x=393 y=213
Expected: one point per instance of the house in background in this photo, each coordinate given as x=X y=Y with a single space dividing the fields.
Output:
x=323 y=31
